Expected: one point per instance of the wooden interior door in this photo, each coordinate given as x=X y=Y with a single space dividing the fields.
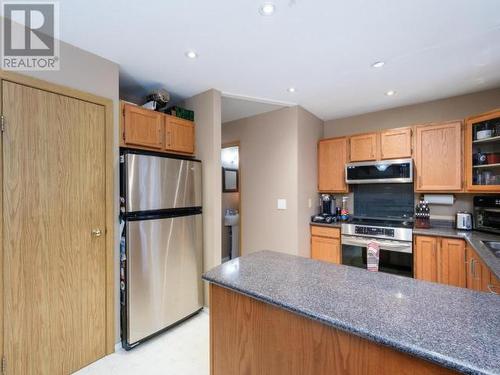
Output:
x=142 y=127
x=179 y=135
x=332 y=157
x=425 y=258
x=53 y=199
x=395 y=143
x=325 y=249
x=438 y=157
x=364 y=147
x=451 y=262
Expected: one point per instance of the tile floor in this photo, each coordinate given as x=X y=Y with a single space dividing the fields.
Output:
x=181 y=351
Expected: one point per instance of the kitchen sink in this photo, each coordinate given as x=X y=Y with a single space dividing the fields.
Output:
x=494 y=246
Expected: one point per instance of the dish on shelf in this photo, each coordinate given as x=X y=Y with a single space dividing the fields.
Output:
x=483 y=134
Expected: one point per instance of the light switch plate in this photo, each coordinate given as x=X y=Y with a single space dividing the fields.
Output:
x=281 y=204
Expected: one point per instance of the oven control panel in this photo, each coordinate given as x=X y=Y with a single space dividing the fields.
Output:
x=374 y=231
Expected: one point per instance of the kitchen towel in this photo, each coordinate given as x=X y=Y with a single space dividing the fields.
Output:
x=372 y=256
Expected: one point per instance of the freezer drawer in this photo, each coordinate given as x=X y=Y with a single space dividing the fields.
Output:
x=163 y=273
x=156 y=183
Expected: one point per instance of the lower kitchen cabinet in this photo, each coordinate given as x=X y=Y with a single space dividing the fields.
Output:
x=440 y=260
x=325 y=244
x=479 y=276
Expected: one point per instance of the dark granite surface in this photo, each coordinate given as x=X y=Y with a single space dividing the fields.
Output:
x=474 y=238
x=454 y=327
x=332 y=225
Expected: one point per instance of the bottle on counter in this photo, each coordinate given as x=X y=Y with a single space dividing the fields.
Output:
x=422 y=214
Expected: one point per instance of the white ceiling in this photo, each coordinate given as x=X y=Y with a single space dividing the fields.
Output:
x=324 y=48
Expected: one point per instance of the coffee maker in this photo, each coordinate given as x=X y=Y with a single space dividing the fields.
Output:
x=327 y=209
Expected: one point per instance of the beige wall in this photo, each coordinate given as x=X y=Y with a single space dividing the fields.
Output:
x=277 y=161
x=207 y=111
x=453 y=108
x=87 y=72
x=310 y=129
x=268 y=149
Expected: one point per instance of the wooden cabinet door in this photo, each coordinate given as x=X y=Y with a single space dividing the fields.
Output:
x=325 y=249
x=478 y=274
x=179 y=135
x=54 y=194
x=142 y=127
x=438 y=157
x=332 y=157
x=364 y=147
x=451 y=262
x=396 y=143
x=425 y=258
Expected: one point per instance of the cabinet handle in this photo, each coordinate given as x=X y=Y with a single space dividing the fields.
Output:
x=169 y=135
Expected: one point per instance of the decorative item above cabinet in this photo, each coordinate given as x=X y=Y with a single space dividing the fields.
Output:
x=482 y=152
x=150 y=130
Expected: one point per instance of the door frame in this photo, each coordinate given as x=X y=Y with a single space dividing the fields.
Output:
x=109 y=191
x=240 y=184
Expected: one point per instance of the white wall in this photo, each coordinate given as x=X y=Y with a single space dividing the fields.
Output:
x=90 y=73
x=207 y=112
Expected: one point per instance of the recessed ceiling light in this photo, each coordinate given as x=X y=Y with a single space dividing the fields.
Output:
x=191 y=55
x=378 y=64
x=390 y=93
x=291 y=89
x=267 y=9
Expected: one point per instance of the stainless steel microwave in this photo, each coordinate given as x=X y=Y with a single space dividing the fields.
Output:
x=379 y=172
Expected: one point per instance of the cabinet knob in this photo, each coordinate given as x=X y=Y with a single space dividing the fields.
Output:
x=96 y=232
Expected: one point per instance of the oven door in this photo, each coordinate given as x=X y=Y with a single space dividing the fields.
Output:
x=396 y=257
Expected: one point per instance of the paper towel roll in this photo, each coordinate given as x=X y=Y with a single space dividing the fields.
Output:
x=444 y=199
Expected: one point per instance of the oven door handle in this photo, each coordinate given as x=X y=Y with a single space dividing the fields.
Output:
x=384 y=245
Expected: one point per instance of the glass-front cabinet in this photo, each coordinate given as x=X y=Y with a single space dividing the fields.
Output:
x=482 y=152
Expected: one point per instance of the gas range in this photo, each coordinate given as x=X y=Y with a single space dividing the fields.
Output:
x=384 y=228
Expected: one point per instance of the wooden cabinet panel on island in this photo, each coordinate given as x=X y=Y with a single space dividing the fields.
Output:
x=325 y=244
x=396 y=143
x=440 y=260
x=438 y=157
x=332 y=157
x=142 y=127
x=364 y=147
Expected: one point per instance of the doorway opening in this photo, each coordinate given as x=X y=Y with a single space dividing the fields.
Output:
x=231 y=217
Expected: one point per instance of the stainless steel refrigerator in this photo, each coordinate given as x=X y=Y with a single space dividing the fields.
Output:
x=161 y=246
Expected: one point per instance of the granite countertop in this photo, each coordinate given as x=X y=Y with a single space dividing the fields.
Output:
x=454 y=327
x=338 y=224
x=474 y=238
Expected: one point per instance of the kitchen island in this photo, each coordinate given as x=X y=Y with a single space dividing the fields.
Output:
x=272 y=313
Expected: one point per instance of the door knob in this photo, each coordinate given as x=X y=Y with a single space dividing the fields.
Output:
x=96 y=232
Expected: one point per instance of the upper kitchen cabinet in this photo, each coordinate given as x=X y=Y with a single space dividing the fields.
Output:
x=332 y=157
x=438 y=157
x=179 y=135
x=364 y=147
x=396 y=143
x=142 y=127
x=149 y=130
x=482 y=152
